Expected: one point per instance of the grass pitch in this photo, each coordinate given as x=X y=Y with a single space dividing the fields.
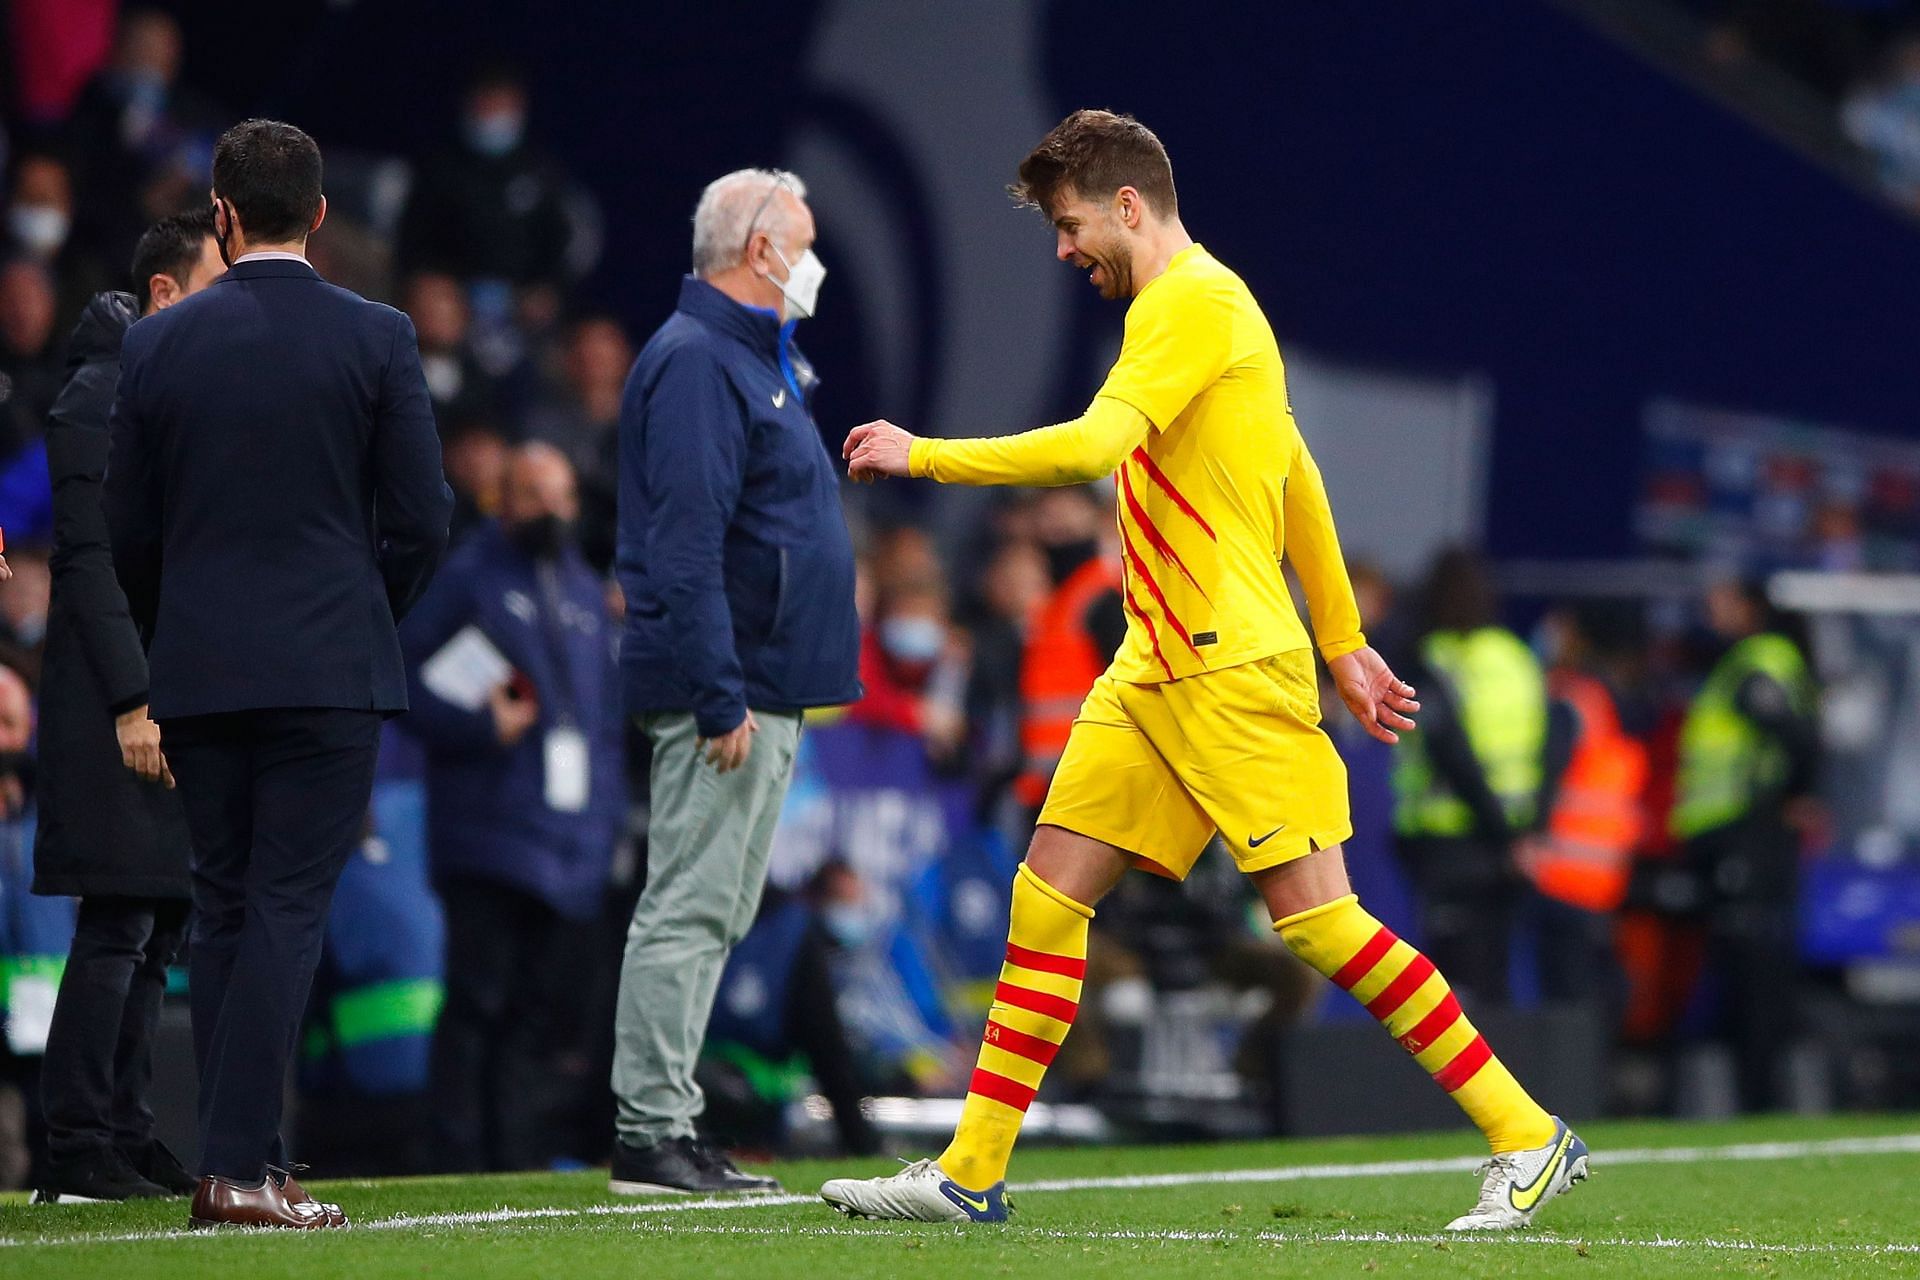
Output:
x=1776 y=1196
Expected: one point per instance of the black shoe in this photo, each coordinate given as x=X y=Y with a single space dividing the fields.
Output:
x=717 y=1160
x=678 y=1164
x=95 y=1178
x=158 y=1165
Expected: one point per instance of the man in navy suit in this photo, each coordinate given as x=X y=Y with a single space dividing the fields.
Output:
x=276 y=503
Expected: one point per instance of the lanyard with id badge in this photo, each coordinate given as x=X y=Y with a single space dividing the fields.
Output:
x=567 y=764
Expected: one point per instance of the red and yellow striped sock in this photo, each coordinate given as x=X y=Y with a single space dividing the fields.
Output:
x=1401 y=988
x=1033 y=1010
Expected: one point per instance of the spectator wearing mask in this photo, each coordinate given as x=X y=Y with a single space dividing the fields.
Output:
x=111 y=831
x=39 y=227
x=913 y=664
x=583 y=422
x=1076 y=633
x=525 y=800
x=1468 y=785
x=141 y=142
x=738 y=574
x=492 y=207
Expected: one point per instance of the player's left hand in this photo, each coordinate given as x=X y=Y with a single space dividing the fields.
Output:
x=1379 y=700
x=876 y=449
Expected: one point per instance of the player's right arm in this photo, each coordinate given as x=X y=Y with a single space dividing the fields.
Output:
x=1091 y=446
x=1179 y=339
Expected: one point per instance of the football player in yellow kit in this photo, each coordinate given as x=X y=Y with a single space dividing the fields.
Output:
x=1208 y=719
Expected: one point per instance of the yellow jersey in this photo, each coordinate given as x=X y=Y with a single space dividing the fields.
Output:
x=1218 y=491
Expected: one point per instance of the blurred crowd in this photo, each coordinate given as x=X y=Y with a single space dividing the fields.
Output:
x=1861 y=58
x=1543 y=846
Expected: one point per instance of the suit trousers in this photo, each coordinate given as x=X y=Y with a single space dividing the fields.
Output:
x=93 y=1083
x=276 y=801
x=708 y=842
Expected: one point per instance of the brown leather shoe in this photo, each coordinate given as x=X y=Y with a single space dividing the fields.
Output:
x=298 y=1195
x=222 y=1202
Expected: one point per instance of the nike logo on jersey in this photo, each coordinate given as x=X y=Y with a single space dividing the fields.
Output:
x=779 y=397
x=1524 y=1198
x=1255 y=844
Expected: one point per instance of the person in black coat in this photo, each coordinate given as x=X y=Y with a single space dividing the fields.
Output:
x=111 y=831
x=276 y=504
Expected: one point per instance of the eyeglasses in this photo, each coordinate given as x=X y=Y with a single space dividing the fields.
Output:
x=779 y=181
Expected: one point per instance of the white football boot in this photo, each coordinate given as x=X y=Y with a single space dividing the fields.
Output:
x=1519 y=1182
x=921 y=1192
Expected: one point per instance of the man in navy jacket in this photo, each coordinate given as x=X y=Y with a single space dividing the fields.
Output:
x=525 y=797
x=738 y=573
x=275 y=504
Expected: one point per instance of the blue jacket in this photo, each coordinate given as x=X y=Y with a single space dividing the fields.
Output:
x=487 y=811
x=733 y=551
x=273 y=494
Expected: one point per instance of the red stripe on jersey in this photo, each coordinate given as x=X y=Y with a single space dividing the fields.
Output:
x=1154 y=537
x=1364 y=959
x=1059 y=1008
x=1153 y=589
x=1465 y=1065
x=1046 y=961
x=1159 y=477
x=990 y=1084
x=1429 y=1029
x=1032 y=1048
x=1153 y=637
x=1401 y=989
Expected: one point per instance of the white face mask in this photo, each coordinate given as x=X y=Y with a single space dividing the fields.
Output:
x=801 y=288
x=42 y=228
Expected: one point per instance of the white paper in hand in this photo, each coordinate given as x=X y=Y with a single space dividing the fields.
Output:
x=466 y=670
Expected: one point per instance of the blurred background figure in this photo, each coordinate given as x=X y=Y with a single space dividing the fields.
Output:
x=777 y=1018
x=1748 y=764
x=1581 y=858
x=1075 y=632
x=1467 y=784
x=492 y=208
x=461 y=388
x=581 y=418
x=525 y=799
x=145 y=141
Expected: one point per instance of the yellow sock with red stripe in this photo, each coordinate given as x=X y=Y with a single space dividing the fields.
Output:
x=1033 y=1009
x=1402 y=989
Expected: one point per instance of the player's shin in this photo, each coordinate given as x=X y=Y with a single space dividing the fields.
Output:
x=1400 y=987
x=1033 y=1009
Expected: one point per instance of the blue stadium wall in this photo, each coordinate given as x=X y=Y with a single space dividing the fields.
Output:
x=1489 y=188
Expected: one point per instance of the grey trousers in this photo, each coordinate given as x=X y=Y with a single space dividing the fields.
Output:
x=707 y=849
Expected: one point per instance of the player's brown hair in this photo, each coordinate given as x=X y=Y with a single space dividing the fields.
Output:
x=1096 y=153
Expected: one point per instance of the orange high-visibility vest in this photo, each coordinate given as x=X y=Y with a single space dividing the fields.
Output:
x=1060 y=664
x=1587 y=853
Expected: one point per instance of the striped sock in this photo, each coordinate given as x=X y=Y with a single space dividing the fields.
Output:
x=1402 y=989
x=1033 y=1010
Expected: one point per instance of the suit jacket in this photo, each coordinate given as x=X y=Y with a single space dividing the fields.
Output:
x=274 y=494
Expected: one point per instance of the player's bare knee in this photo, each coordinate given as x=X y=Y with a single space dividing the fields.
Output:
x=1304 y=883
x=1081 y=867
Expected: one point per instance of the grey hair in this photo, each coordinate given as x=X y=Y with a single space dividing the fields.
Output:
x=725 y=215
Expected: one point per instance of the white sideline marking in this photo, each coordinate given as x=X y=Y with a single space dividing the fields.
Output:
x=1895 y=1144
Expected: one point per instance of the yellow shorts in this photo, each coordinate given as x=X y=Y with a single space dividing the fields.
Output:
x=1156 y=769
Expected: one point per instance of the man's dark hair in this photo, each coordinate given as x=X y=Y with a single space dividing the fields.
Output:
x=270 y=173
x=170 y=247
x=1095 y=153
